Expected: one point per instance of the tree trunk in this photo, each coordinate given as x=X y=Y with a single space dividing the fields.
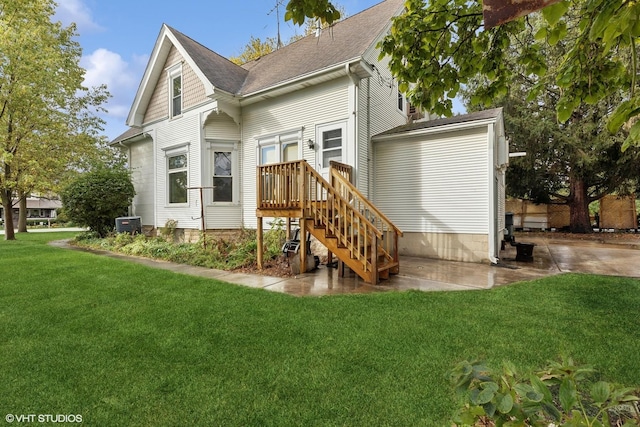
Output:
x=578 y=201
x=8 y=215
x=22 y=216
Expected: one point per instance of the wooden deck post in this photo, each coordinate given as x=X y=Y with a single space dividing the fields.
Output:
x=303 y=245
x=260 y=238
x=374 y=259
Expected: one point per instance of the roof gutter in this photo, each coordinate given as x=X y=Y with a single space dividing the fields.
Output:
x=436 y=129
x=354 y=68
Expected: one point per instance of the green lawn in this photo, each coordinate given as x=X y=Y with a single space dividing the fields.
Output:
x=122 y=344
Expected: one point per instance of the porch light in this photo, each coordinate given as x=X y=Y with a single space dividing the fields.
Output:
x=310 y=144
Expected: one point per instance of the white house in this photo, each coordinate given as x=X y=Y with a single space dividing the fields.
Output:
x=200 y=124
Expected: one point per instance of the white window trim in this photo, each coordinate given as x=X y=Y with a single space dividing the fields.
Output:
x=172 y=73
x=234 y=147
x=328 y=127
x=278 y=140
x=173 y=151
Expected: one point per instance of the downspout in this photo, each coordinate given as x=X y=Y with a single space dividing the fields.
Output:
x=369 y=142
x=131 y=213
x=354 y=135
x=493 y=229
x=155 y=180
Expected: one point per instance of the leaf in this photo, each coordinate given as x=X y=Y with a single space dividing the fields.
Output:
x=554 y=12
x=568 y=394
x=505 y=404
x=489 y=409
x=600 y=392
x=624 y=112
x=541 y=34
x=540 y=387
x=633 y=138
x=489 y=390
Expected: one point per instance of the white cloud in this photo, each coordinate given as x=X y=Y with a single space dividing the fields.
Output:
x=69 y=11
x=121 y=78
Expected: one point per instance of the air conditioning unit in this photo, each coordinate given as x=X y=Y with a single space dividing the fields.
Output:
x=129 y=224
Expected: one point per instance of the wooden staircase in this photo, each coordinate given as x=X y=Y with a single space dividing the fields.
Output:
x=335 y=213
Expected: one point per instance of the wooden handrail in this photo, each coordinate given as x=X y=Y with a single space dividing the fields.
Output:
x=369 y=206
x=359 y=202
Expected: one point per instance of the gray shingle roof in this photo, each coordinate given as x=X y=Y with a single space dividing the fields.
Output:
x=346 y=40
x=221 y=72
x=128 y=134
x=462 y=118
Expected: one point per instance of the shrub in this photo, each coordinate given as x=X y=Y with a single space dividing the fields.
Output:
x=96 y=198
x=558 y=395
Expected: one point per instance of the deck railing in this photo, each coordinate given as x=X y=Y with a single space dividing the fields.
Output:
x=296 y=186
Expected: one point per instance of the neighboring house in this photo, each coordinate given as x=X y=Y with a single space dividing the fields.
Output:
x=200 y=123
x=38 y=208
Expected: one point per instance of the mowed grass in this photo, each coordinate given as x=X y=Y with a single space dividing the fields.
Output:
x=122 y=344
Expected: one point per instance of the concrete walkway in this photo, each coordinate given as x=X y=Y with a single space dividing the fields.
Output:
x=550 y=257
x=48 y=230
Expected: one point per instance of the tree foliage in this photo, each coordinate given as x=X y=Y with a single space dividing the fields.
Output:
x=299 y=10
x=573 y=163
x=255 y=49
x=435 y=48
x=48 y=123
x=96 y=198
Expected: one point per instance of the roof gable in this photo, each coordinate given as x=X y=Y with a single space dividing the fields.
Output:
x=211 y=68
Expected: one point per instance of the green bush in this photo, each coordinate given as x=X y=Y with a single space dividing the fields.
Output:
x=220 y=253
x=96 y=198
x=559 y=395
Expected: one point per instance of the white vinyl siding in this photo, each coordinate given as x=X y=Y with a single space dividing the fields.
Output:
x=141 y=163
x=437 y=183
x=378 y=112
x=221 y=127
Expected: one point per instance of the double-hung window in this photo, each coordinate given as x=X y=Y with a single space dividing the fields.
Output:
x=281 y=147
x=177 y=177
x=224 y=170
x=175 y=91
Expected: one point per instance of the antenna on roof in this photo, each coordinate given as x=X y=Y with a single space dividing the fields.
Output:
x=277 y=9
